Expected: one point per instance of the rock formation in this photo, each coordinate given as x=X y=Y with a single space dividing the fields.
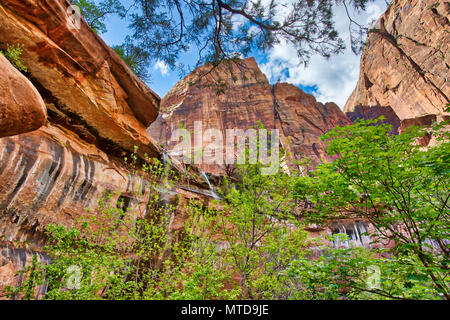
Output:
x=374 y=112
x=303 y=120
x=84 y=83
x=405 y=62
x=21 y=106
x=248 y=99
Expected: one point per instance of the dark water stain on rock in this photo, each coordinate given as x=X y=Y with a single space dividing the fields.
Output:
x=70 y=183
x=49 y=177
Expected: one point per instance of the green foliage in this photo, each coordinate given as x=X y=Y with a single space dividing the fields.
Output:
x=253 y=244
x=13 y=53
x=248 y=246
x=397 y=185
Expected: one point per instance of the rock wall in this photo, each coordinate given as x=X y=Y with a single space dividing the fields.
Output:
x=98 y=112
x=79 y=76
x=13 y=259
x=303 y=120
x=247 y=100
x=374 y=112
x=51 y=176
x=405 y=62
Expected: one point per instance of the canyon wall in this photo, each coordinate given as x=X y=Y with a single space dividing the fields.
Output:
x=246 y=100
x=97 y=109
x=405 y=64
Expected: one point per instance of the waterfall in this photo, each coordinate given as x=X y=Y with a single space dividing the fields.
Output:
x=165 y=158
x=213 y=192
x=164 y=190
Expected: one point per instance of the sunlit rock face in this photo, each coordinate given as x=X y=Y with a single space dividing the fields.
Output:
x=405 y=62
x=375 y=112
x=78 y=75
x=21 y=106
x=247 y=100
x=98 y=111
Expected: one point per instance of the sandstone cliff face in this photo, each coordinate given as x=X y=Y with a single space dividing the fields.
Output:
x=21 y=106
x=51 y=176
x=246 y=100
x=374 y=112
x=13 y=259
x=405 y=63
x=98 y=111
x=303 y=120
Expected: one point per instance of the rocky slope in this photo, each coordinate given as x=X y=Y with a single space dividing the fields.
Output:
x=405 y=63
x=247 y=100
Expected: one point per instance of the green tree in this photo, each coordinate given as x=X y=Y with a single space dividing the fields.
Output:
x=96 y=12
x=13 y=53
x=226 y=29
x=249 y=245
x=398 y=186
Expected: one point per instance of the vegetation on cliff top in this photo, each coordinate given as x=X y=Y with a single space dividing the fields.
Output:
x=252 y=245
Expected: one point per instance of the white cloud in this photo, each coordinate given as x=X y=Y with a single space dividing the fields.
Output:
x=336 y=77
x=162 y=67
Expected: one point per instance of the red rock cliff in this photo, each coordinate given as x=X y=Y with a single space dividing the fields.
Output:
x=98 y=111
x=405 y=62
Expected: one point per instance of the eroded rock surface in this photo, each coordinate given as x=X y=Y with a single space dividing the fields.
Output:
x=50 y=176
x=303 y=120
x=79 y=76
x=405 y=63
x=98 y=111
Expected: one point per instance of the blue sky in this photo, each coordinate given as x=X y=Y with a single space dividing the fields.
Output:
x=328 y=80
